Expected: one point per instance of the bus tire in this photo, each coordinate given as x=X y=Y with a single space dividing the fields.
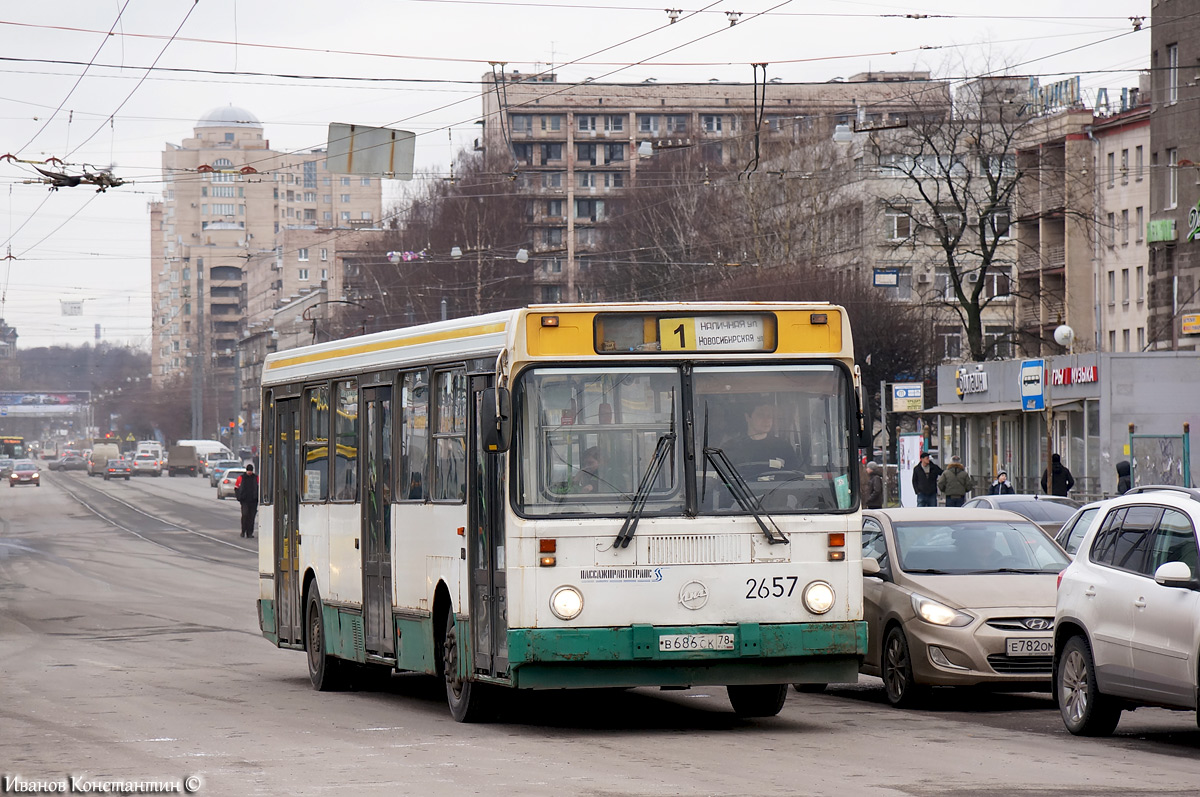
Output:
x=467 y=699
x=324 y=671
x=757 y=700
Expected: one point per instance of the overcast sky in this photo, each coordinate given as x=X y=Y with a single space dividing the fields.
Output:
x=426 y=57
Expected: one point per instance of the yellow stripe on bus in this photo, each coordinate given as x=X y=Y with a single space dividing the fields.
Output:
x=383 y=345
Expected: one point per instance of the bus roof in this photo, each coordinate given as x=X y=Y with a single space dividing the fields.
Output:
x=486 y=335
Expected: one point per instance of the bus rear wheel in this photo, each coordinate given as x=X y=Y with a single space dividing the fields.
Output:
x=467 y=699
x=325 y=672
x=758 y=700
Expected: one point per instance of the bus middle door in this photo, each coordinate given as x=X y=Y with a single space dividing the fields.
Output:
x=489 y=598
x=377 y=526
x=287 y=522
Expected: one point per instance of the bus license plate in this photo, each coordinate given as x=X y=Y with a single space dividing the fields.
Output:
x=695 y=642
x=1030 y=646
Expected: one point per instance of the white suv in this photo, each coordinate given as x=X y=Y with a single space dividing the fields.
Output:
x=1127 y=626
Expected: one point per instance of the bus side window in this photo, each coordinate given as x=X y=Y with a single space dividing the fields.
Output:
x=414 y=430
x=450 y=438
x=315 y=486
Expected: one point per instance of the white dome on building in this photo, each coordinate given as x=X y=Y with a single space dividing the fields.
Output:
x=229 y=116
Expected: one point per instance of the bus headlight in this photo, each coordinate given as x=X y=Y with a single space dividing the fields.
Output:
x=818 y=597
x=566 y=603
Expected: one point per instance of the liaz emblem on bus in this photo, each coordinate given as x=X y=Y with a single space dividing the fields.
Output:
x=713 y=333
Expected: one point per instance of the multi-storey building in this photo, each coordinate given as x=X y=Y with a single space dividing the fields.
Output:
x=241 y=230
x=1122 y=189
x=577 y=147
x=1174 y=208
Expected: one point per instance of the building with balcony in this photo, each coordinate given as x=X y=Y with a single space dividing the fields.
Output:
x=241 y=230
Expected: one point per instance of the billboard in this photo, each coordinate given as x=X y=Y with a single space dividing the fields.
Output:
x=31 y=404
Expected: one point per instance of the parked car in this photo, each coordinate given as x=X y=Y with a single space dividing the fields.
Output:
x=117 y=469
x=1071 y=534
x=1048 y=511
x=957 y=597
x=218 y=468
x=228 y=484
x=1127 y=626
x=69 y=463
x=24 y=472
x=147 y=463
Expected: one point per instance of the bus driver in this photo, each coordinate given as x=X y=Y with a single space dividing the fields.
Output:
x=759 y=451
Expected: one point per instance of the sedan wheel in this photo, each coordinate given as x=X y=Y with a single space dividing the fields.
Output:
x=896 y=669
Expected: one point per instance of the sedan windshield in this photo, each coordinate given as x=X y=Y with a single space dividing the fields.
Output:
x=975 y=546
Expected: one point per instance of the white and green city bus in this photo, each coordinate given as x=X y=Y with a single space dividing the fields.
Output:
x=568 y=496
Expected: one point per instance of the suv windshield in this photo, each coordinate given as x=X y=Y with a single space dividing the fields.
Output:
x=585 y=438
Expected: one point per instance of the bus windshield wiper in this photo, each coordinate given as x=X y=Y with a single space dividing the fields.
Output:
x=742 y=493
x=665 y=444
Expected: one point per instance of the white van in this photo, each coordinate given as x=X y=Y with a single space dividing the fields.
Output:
x=153 y=448
x=208 y=451
x=101 y=454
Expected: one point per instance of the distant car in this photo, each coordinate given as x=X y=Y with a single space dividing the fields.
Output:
x=69 y=463
x=1048 y=511
x=24 y=472
x=228 y=484
x=217 y=469
x=117 y=469
x=147 y=463
x=1071 y=534
x=957 y=597
x=6 y=466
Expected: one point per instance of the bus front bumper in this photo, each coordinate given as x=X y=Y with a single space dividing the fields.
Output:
x=569 y=658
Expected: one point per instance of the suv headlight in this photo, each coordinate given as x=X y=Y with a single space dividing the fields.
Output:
x=931 y=611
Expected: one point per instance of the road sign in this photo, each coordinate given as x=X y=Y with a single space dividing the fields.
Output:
x=908 y=397
x=1033 y=375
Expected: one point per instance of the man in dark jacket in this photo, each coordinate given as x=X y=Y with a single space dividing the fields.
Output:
x=873 y=494
x=925 y=480
x=1061 y=480
x=1124 y=482
x=246 y=493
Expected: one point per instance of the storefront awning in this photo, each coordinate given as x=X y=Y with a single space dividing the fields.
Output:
x=995 y=407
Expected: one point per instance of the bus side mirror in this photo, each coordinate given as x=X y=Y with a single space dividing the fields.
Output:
x=496 y=416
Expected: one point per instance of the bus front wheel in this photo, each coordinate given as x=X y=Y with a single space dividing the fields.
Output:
x=759 y=700
x=324 y=671
x=467 y=699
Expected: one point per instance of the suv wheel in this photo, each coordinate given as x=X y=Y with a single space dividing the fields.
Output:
x=1085 y=711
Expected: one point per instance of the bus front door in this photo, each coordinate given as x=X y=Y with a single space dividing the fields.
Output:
x=489 y=599
x=376 y=519
x=287 y=523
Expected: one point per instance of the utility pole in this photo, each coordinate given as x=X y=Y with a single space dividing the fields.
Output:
x=883 y=435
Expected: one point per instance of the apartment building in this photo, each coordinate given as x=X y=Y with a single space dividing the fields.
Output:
x=241 y=230
x=576 y=148
x=1173 y=267
x=1122 y=189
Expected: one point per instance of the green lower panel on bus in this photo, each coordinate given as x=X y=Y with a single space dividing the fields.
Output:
x=542 y=658
x=266 y=620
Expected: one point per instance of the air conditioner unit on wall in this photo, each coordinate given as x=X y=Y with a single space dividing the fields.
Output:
x=973 y=276
x=922 y=279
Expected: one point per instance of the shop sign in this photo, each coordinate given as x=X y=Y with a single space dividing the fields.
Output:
x=1160 y=230
x=970 y=382
x=1191 y=324
x=1075 y=376
x=908 y=397
x=1194 y=222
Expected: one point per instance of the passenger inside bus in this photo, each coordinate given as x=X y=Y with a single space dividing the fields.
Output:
x=588 y=479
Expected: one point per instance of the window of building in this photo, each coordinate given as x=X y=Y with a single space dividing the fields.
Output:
x=554 y=265
x=1172 y=73
x=586 y=179
x=345 y=198
x=302 y=275
x=585 y=123
x=1112 y=287
x=552 y=180
x=1125 y=339
x=897 y=223
x=310 y=214
x=1139 y=163
x=523 y=152
x=414 y=443
x=366 y=182
x=949 y=342
x=450 y=436
x=1140 y=229
x=224 y=209
x=585 y=153
x=554 y=208
x=345 y=181
x=552 y=122
x=1124 y=286
x=999 y=341
x=327 y=180
x=1172 y=178
x=345 y=216
x=1112 y=168
x=302 y=254
x=226 y=191
x=520 y=122
x=1125 y=227
x=711 y=123
x=551 y=294
x=1124 y=167
x=1141 y=283
x=325 y=216
x=315 y=485
x=647 y=123
x=1110 y=230
x=1112 y=340
x=614 y=180
x=677 y=123
x=1141 y=338
x=589 y=209
x=324 y=274
x=310 y=196
x=327 y=199
x=902 y=290
x=614 y=153
x=551 y=152
x=614 y=124
x=998 y=281
x=324 y=254
x=711 y=152
x=1001 y=223
x=310 y=174
x=365 y=215
x=554 y=236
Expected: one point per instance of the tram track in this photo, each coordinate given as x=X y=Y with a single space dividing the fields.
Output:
x=93 y=499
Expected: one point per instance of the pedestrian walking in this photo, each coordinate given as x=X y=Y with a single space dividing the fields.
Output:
x=925 y=480
x=1001 y=485
x=246 y=492
x=1124 y=481
x=1060 y=479
x=873 y=489
x=955 y=482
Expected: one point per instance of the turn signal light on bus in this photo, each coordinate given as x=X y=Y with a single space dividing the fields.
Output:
x=837 y=540
x=546 y=561
x=547 y=546
x=837 y=556
x=818 y=318
x=549 y=320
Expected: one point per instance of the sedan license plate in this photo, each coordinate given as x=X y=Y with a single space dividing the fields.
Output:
x=671 y=642
x=1029 y=646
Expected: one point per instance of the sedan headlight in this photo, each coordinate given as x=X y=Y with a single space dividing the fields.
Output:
x=931 y=611
x=818 y=597
x=566 y=603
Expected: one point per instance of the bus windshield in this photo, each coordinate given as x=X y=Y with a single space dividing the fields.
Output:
x=586 y=437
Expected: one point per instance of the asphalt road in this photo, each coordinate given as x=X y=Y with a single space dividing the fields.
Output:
x=130 y=651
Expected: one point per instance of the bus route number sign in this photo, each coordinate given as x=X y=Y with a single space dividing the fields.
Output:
x=713 y=333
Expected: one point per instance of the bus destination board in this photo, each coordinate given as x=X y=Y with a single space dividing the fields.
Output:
x=713 y=333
